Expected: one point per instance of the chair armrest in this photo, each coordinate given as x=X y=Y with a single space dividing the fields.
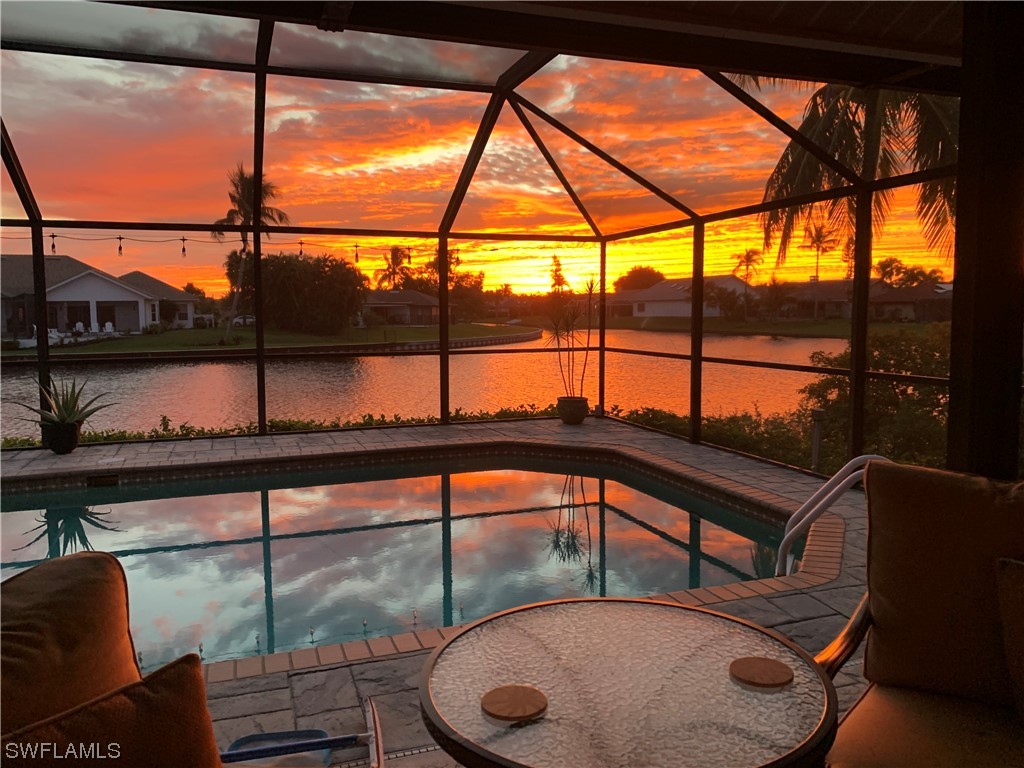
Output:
x=838 y=652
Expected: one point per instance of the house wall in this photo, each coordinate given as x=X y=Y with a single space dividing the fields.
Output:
x=90 y=287
x=662 y=309
x=126 y=318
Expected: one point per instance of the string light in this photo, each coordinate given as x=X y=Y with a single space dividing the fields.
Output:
x=245 y=250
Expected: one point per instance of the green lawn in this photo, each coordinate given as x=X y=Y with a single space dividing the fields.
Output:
x=208 y=339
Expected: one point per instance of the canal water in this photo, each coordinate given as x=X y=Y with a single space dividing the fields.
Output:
x=217 y=394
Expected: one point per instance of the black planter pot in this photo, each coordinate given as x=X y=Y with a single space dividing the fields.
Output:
x=572 y=410
x=61 y=438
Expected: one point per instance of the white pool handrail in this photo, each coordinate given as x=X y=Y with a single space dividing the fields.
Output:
x=801 y=520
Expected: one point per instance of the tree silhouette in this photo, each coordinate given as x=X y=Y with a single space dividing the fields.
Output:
x=876 y=133
x=395 y=271
x=821 y=237
x=747 y=263
x=240 y=193
x=638 y=278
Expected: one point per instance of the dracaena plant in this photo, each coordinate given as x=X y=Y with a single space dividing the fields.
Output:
x=67 y=404
x=567 y=332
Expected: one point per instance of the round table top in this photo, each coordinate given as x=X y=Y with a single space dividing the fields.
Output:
x=629 y=683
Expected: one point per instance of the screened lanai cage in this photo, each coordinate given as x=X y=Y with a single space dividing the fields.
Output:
x=770 y=256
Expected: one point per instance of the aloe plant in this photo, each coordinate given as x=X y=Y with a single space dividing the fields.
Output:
x=66 y=403
x=64 y=529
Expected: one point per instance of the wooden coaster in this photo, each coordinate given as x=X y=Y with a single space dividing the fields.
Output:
x=514 y=703
x=759 y=672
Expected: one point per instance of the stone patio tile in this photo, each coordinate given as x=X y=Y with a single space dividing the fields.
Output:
x=843 y=600
x=800 y=606
x=246 y=685
x=227 y=731
x=260 y=702
x=389 y=676
x=400 y=720
x=813 y=634
x=339 y=722
x=323 y=690
x=755 y=609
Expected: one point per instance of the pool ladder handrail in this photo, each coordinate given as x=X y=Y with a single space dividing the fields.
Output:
x=801 y=520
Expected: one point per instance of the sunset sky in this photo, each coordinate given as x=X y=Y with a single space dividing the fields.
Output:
x=137 y=142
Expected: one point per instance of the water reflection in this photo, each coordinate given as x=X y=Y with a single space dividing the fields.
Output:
x=348 y=389
x=566 y=544
x=65 y=531
x=274 y=569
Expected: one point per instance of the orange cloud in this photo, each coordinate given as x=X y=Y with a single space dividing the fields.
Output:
x=156 y=143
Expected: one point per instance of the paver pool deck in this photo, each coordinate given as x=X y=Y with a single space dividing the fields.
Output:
x=320 y=687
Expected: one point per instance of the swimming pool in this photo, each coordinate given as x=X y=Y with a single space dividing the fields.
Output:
x=242 y=566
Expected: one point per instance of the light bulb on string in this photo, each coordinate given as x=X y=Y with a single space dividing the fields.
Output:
x=120 y=250
x=53 y=243
x=357 y=253
x=183 y=254
x=300 y=248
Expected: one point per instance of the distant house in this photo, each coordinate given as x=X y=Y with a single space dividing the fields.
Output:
x=81 y=297
x=403 y=307
x=928 y=302
x=669 y=298
x=185 y=301
x=833 y=297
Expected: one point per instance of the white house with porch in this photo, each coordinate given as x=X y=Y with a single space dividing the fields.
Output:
x=81 y=298
x=669 y=298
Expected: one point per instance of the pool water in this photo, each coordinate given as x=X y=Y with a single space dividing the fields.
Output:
x=285 y=562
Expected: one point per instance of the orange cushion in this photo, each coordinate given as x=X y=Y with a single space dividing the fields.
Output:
x=897 y=727
x=1011 y=615
x=159 y=722
x=934 y=540
x=64 y=637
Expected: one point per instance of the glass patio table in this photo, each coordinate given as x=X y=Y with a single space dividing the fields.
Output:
x=629 y=684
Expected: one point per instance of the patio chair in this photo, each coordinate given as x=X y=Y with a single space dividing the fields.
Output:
x=70 y=680
x=944 y=624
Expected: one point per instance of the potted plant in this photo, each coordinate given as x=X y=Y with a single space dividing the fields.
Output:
x=566 y=334
x=62 y=421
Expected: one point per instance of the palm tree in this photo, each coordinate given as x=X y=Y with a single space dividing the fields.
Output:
x=243 y=185
x=874 y=133
x=822 y=237
x=394 y=272
x=747 y=263
x=775 y=297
